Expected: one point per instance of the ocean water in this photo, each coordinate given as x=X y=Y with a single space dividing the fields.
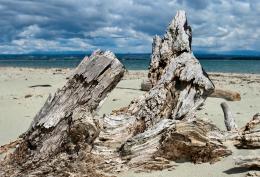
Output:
x=211 y=63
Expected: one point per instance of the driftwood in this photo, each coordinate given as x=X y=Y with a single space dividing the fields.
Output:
x=228 y=118
x=65 y=125
x=250 y=138
x=247 y=137
x=177 y=40
x=66 y=138
x=228 y=95
x=250 y=134
x=248 y=162
x=162 y=122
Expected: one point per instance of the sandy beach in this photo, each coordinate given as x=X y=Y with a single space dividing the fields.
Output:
x=21 y=99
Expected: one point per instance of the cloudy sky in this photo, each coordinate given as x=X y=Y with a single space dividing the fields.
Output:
x=124 y=25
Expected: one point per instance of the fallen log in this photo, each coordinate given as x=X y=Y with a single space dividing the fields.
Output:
x=66 y=138
x=228 y=95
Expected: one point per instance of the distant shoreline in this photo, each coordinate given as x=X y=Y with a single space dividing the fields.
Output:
x=128 y=70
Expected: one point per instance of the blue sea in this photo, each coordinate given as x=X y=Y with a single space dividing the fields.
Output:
x=210 y=62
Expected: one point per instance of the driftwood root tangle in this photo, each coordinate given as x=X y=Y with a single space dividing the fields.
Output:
x=250 y=134
x=66 y=138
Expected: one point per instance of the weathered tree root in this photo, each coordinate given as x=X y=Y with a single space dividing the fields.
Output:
x=67 y=139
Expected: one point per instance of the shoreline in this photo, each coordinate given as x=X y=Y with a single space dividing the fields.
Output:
x=127 y=70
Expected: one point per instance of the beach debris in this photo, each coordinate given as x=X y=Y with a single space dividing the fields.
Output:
x=228 y=118
x=67 y=137
x=58 y=70
x=40 y=85
x=226 y=94
x=28 y=96
x=248 y=161
x=250 y=135
x=64 y=129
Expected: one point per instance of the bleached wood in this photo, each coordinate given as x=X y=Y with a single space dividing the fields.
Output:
x=135 y=133
x=229 y=118
x=176 y=41
x=65 y=125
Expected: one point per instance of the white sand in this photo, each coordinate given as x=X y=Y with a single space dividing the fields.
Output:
x=16 y=111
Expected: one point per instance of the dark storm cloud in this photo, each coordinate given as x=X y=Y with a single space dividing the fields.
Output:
x=125 y=25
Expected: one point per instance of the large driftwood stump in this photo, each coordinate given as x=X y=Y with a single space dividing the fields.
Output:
x=65 y=125
x=66 y=138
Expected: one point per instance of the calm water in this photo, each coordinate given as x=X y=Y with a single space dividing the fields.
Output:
x=212 y=63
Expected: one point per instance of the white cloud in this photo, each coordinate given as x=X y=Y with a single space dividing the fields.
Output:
x=30 y=31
